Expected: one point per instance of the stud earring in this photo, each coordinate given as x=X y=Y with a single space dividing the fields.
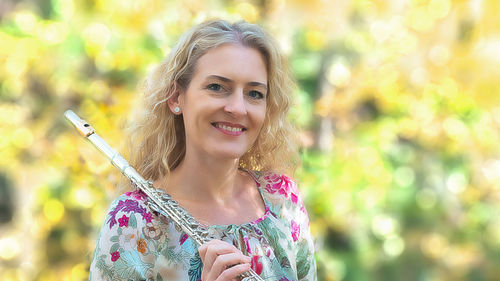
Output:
x=177 y=109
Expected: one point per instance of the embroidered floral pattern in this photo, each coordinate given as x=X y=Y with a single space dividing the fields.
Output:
x=128 y=238
x=137 y=194
x=123 y=221
x=128 y=205
x=141 y=246
x=277 y=183
x=295 y=230
x=114 y=256
x=136 y=244
x=183 y=238
x=152 y=232
x=256 y=264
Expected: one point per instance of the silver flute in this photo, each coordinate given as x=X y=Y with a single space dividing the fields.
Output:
x=158 y=200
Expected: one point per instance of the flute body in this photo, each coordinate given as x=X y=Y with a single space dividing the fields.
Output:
x=158 y=200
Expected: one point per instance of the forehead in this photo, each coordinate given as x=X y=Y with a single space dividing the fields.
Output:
x=233 y=61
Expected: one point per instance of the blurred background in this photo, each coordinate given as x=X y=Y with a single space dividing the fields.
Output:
x=398 y=106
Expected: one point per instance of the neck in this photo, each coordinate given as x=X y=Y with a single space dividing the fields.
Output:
x=203 y=179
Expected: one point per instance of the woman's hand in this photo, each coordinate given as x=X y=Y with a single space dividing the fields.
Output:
x=222 y=261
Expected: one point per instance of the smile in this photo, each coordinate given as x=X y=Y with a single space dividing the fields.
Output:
x=233 y=129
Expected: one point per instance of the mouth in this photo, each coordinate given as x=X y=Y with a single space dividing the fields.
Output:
x=229 y=127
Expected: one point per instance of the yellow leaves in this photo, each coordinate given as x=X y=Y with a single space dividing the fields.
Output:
x=455 y=129
x=360 y=41
x=79 y=272
x=27 y=21
x=65 y=8
x=247 y=11
x=422 y=16
x=96 y=36
x=53 y=210
x=52 y=32
x=325 y=103
x=439 y=55
x=419 y=19
x=22 y=138
x=315 y=39
x=408 y=127
x=439 y=9
x=16 y=65
x=434 y=246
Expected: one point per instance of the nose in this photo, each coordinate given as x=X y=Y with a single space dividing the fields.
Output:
x=235 y=103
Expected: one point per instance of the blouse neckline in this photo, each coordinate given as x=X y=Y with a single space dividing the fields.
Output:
x=234 y=225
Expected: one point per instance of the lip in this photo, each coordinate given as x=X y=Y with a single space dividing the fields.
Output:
x=230 y=133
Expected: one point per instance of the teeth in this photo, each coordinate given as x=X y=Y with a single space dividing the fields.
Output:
x=228 y=128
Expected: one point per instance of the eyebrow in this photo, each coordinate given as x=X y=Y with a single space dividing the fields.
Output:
x=224 y=79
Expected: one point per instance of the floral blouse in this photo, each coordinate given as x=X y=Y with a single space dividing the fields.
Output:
x=137 y=244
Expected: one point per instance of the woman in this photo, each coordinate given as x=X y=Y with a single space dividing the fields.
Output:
x=213 y=135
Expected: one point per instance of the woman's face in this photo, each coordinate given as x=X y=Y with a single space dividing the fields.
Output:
x=224 y=105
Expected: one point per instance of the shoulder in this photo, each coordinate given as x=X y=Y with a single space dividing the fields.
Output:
x=284 y=200
x=278 y=185
x=129 y=241
x=278 y=190
x=129 y=209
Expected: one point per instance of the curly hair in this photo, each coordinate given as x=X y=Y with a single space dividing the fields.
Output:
x=157 y=135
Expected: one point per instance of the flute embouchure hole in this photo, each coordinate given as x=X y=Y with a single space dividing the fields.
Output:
x=86 y=125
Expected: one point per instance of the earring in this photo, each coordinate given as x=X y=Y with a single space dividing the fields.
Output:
x=177 y=109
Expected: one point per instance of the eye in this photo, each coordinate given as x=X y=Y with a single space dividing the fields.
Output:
x=214 y=87
x=256 y=95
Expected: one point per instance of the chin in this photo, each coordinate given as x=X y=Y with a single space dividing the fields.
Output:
x=229 y=154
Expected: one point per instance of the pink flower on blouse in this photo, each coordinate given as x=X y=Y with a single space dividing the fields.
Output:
x=247 y=245
x=295 y=230
x=279 y=183
x=148 y=217
x=115 y=256
x=294 y=197
x=123 y=221
x=256 y=264
x=183 y=238
x=137 y=194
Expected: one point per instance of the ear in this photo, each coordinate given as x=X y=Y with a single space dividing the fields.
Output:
x=175 y=102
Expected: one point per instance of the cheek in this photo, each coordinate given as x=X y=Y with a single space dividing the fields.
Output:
x=262 y=116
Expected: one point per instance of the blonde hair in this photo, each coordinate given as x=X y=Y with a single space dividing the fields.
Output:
x=157 y=135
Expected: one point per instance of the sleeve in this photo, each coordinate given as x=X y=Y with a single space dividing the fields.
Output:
x=124 y=248
x=306 y=264
x=301 y=234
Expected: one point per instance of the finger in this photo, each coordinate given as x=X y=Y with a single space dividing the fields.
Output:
x=222 y=262
x=213 y=243
x=211 y=250
x=232 y=272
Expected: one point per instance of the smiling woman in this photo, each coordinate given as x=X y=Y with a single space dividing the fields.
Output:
x=214 y=136
x=223 y=107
